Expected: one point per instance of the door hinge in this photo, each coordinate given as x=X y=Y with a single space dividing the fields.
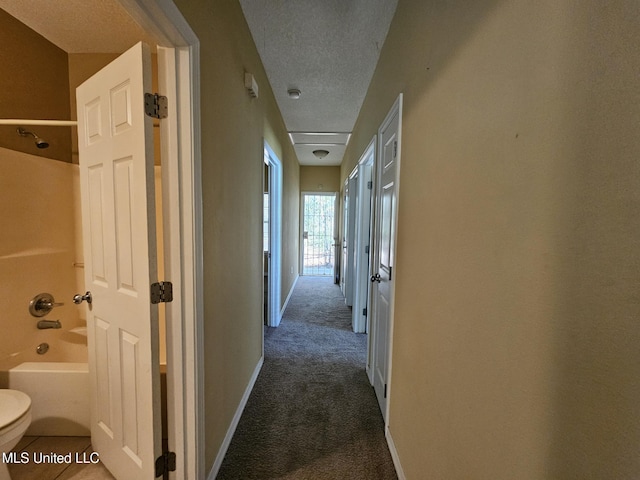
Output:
x=395 y=148
x=385 y=390
x=156 y=106
x=366 y=249
x=161 y=292
x=390 y=270
x=364 y=312
x=165 y=463
x=370 y=185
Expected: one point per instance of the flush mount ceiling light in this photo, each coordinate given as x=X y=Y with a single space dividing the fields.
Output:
x=321 y=153
x=294 y=93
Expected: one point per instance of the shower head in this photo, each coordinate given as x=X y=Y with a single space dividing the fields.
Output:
x=40 y=143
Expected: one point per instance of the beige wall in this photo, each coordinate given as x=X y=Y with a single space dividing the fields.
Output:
x=516 y=339
x=319 y=179
x=234 y=127
x=34 y=85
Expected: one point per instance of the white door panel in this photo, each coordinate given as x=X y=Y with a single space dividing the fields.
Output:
x=115 y=141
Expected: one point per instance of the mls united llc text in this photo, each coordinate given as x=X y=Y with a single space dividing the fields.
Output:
x=40 y=457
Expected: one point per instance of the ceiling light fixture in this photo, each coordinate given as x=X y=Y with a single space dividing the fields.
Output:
x=321 y=153
x=294 y=93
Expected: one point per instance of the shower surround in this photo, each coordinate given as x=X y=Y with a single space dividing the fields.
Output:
x=39 y=246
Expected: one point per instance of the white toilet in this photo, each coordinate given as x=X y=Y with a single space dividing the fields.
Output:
x=15 y=418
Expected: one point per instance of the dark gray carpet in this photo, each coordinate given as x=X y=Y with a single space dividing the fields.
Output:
x=312 y=413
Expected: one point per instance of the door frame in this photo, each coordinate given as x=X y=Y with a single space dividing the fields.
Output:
x=179 y=79
x=363 y=234
x=351 y=209
x=275 y=236
x=342 y=241
x=325 y=194
x=396 y=109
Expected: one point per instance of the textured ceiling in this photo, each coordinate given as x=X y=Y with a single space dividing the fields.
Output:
x=80 y=26
x=328 y=50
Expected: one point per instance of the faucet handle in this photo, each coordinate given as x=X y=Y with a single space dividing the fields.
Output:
x=53 y=304
x=42 y=304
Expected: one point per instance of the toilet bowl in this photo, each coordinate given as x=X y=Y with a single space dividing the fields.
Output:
x=15 y=417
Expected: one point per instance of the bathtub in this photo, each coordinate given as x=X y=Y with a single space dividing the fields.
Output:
x=59 y=394
x=60 y=400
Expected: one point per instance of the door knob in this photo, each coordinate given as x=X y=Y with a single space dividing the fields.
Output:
x=375 y=278
x=78 y=299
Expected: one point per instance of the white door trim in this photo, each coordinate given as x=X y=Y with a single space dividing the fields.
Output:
x=301 y=253
x=362 y=239
x=179 y=75
x=350 y=237
x=275 y=236
x=396 y=109
x=342 y=241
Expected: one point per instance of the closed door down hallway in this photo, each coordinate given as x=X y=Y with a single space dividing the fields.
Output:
x=312 y=413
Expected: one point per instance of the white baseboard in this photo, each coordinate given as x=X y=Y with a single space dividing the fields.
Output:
x=234 y=423
x=394 y=455
x=286 y=302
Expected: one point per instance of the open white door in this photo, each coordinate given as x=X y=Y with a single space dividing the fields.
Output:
x=384 y=256
x=115 y=141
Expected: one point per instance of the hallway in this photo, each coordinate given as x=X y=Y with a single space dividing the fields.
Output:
x=312 y=413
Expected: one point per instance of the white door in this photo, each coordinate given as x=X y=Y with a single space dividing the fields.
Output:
x=115 y=141
x=383 y=274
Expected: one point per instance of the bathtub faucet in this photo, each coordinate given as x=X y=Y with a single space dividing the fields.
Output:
x=44 y=324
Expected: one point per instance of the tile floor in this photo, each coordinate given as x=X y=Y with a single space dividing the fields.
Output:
x=31 y=449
